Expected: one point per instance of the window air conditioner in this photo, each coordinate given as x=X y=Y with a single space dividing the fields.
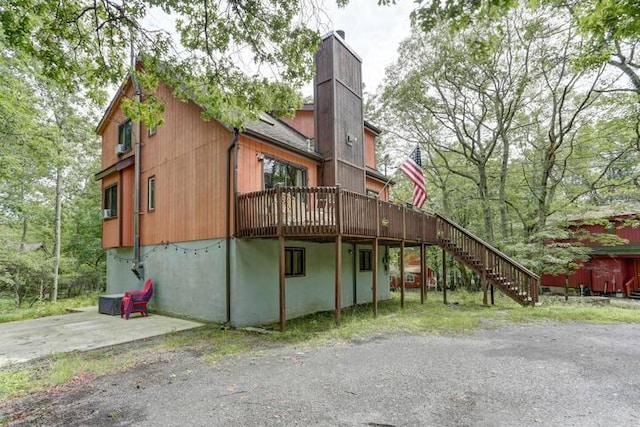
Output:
x=120 y=149
x=106 y=213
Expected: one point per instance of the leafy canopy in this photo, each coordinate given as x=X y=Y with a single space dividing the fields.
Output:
x=201 y=49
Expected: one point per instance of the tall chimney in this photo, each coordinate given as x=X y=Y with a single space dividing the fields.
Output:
x=339 y=120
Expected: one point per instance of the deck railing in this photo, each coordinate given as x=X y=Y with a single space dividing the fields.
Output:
x=488 y=261
x=328 y=211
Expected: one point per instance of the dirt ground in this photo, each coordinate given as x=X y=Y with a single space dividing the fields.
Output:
x=543 y=374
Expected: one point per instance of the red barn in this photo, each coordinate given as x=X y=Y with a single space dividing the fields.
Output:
x=611 y=269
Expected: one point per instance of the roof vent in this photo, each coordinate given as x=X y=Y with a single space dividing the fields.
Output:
x=266 y=119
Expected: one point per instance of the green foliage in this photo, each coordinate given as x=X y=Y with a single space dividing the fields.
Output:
x=36 y=309
x=87 y=44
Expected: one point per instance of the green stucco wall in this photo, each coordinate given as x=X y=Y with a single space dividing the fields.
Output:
x=255 y=281
x=193 y=284
x=188 y=277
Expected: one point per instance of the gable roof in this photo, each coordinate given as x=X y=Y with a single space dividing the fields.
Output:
x=267 y=127
x=275 y=130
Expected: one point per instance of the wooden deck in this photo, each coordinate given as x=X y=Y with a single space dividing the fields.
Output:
x=333 y=214
x=322 y=213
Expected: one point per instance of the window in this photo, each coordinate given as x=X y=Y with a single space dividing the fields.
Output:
x=372 y=193
x=152 y=130
x=124 y=134
x=409 y=278
x=278 y=172
x=365 y=260
x=110 y=201
x=151 y=194
x=294 y=262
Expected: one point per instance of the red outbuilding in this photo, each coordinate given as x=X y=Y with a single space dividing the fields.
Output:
x=611 y=270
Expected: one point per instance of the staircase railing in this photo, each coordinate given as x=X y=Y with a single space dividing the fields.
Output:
x=508 y=275
x=628 y=286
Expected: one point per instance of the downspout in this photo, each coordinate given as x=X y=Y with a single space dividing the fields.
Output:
x=233 y=145
x=138 y=268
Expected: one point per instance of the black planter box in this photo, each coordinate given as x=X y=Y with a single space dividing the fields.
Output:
x=109 y=304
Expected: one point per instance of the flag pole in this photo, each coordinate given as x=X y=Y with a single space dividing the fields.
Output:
x=386 y=184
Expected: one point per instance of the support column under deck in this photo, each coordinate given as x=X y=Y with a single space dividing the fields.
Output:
x=402 y=278
x=374 y=255
x=423 y=274
x=281 y=279
x=444 y=276
x=338 y=285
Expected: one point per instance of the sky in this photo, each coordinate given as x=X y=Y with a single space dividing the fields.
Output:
x=373 y=32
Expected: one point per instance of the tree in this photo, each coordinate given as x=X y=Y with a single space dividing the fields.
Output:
x=611 y=28
x=471 y=86
x=85 y=44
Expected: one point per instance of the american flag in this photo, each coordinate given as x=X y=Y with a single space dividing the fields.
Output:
x=412 y=167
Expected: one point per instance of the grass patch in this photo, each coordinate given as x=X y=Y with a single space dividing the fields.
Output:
x=9 y=312
x=464 y=314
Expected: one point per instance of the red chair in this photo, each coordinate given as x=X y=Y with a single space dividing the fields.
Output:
x=136 y=301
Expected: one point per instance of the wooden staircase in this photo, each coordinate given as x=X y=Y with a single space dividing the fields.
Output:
x=496 y=268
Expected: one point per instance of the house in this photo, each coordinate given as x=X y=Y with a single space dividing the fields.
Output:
x=610 y=269
x=413 y=274
x=284 y=218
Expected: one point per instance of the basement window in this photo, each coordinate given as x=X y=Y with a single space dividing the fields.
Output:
x=364 y=256
x=294 y=262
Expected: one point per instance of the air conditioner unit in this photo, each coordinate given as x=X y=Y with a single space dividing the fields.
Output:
x=106 y=213
x=120 y=149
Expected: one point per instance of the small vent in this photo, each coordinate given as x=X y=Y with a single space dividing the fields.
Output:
x=266 y=119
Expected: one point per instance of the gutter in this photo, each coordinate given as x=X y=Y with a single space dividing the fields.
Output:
x=233 y=145
x=138 y=268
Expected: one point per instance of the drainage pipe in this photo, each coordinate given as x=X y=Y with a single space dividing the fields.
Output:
x=233 y=146
x=138 y=268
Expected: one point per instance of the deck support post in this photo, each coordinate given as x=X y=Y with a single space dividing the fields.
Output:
x=491 y=293
x=338 y=284
x=484 y=290
x=402 y=278
x=423 y=274
x=444 y=276
x=374 y=255
x=281 y=279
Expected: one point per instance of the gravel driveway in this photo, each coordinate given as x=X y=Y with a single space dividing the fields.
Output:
x=545 y=374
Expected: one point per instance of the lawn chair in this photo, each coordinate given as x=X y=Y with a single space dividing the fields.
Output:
x=136 y=301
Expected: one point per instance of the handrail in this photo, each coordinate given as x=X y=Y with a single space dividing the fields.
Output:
x=488 y=246
x=628 y=284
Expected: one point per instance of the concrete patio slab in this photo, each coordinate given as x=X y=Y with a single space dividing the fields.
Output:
x=26 y=340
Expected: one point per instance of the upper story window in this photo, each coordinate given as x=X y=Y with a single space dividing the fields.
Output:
x=110 y=202
x=279 y=172
x=124 y=135
x=151 y=193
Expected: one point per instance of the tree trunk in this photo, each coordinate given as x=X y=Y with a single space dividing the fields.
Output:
x=56 y=248
x=502 y=191
x=483 y=191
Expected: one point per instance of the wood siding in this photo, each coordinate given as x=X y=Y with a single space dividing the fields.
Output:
x=302 y=122
x=111 y=226
x=187 y=156
x=377 y=186
x=339 y=119
x=369 y=149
